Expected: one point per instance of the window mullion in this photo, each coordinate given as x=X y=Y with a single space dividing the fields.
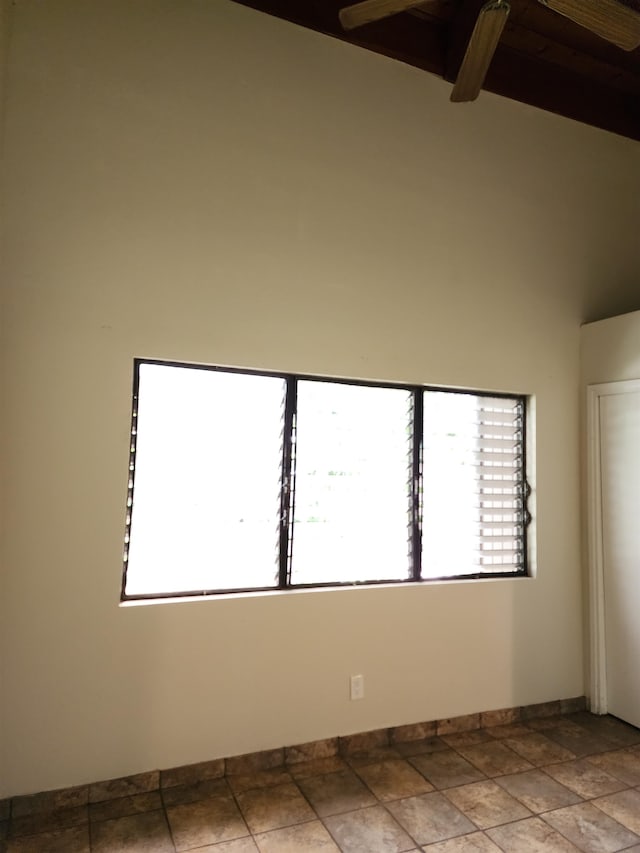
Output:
x=287 y=485
x=415 y=491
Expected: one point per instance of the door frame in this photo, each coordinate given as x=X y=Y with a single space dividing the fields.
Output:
x=595 y=552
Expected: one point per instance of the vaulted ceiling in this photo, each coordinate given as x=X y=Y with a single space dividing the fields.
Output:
x=543 y=58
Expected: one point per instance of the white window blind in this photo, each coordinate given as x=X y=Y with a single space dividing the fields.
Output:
x=473 y=485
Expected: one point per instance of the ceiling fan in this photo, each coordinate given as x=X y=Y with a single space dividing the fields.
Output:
x=616 y=21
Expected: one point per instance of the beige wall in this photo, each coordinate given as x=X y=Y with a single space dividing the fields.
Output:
x=196 y=181
x=5 y=27
x=5 y=24
x=610 y=349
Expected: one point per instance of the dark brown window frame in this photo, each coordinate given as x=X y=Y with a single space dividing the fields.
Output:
x=287 y=496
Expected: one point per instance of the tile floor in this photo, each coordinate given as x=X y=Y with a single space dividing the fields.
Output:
x=555 y=784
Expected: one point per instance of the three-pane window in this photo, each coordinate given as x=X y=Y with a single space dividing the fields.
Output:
x=243 y=480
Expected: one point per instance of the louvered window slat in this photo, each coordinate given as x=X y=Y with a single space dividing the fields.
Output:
x=505 y=535
x=474 y=484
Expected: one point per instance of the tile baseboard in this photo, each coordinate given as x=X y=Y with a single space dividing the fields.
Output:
x=270 y=759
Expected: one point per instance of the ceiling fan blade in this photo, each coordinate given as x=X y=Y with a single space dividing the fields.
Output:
x=373 y=10
x=612 y=20
x=482 y=45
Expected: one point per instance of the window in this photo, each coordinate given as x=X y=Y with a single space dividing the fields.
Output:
x=241 y=480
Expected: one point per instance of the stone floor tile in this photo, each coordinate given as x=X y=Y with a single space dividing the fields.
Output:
x=578 y=739
x=540 y=709
x=311 y=751
x=372 y=756
x=308 y=837
x=538 y=749
x=618 y=733
x=253 y=762
x=590 y=829
x=546 y=723
x=368 y=830
x=530 y=836
x=623 y=807
x=580 y=743
x=190 y=774
x=430 y=817
x=273 y=808
x=422 y=747
x=72 y=840
x=126 y=816
x=584 y=718
x=196 y=791
x=261 y=779
x=509 y=730
x=142 y=833
x=317 y=767
x=476 y=842
x=123 y=806
x=49 y=801
x=205 y=822
x=124 y=787
x=584 y=778
x=393 y=780
x=502 y=717
x=624 y=764
x=537 y=791
x=464 y=723
x=466 y=738
x=446 y=769
x=571 y=706
x=48 y=821
x=487 y=804
x=238 y=845
x=363 y=742
x=413 y=731
x=495 y=758
x=336 y=793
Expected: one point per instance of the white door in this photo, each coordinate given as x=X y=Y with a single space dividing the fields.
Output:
x=620 y=503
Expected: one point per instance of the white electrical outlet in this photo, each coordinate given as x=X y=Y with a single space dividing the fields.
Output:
x=357 y=686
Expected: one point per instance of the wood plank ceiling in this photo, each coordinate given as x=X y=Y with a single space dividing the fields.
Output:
x=543 y=59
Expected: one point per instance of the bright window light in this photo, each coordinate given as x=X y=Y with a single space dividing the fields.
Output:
x=206 y=505
x=353 y=457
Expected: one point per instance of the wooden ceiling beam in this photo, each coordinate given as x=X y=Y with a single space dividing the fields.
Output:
x=423 y=46
x=357 y=14
x=421 y=43
x=534 y=17
x=531 y=43
x=565 y=85
x=563 y=92
x=314 y=14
